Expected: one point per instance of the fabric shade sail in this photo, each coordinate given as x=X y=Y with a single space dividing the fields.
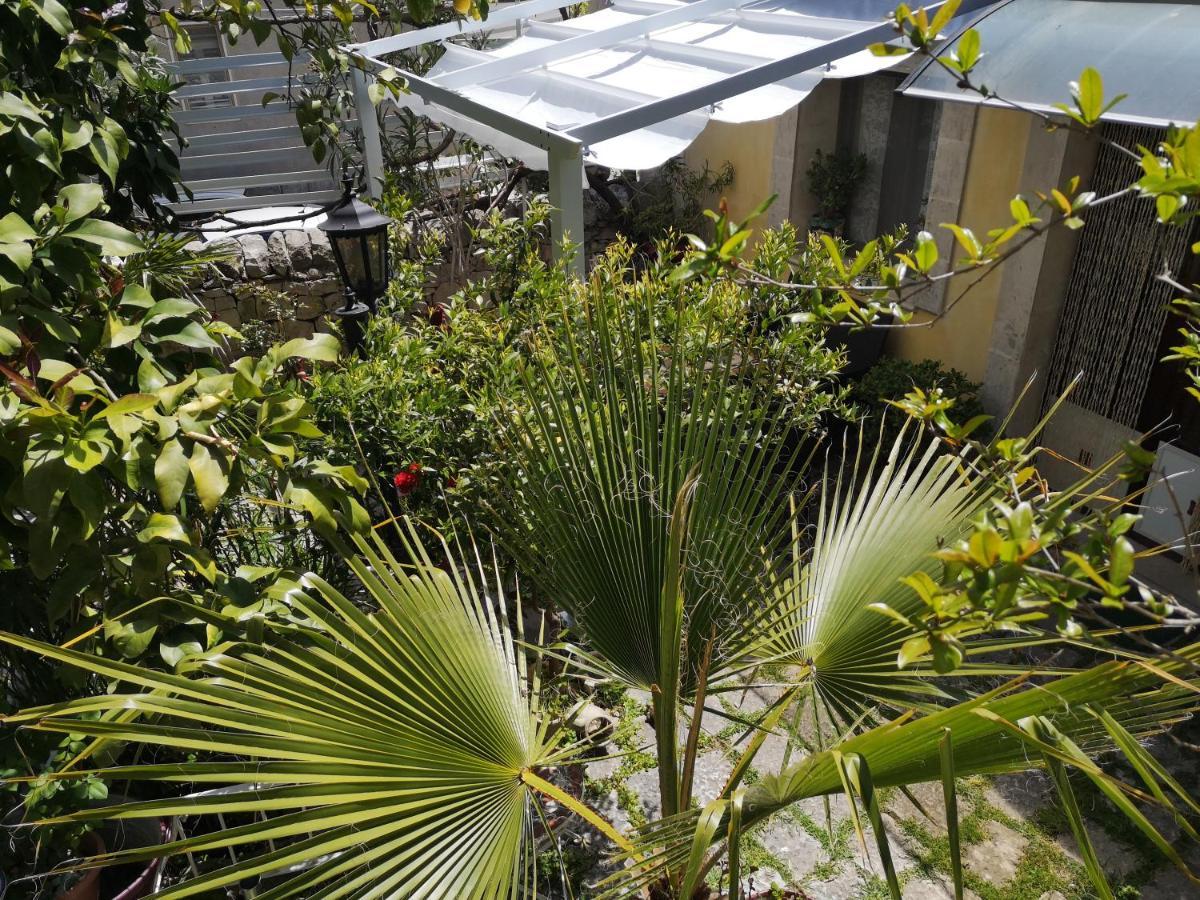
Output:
x=627 y=87
x=626 y=59
x=1034 y=49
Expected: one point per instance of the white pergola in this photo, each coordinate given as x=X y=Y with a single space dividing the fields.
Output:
x=628 y=86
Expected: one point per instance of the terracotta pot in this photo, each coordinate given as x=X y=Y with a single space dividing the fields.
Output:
x=88 y=887
x=117 y=882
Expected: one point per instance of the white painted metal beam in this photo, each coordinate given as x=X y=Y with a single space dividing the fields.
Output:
x=792 y=23
x=566 y=202
x=306 y=198
x=234 y=63
x=432 y=92
x=241 y=86
x=270 y=179
x=368 y=126
x=840 y=38
x=279 y=136
x=232 y=113
x=517 y=12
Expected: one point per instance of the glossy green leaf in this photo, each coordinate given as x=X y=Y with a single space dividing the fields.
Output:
x=318 y=348
x=112 y=239
x=81 y=199
x=209 y=476
x=14 y=229
x=171 y=473
x=130 y=403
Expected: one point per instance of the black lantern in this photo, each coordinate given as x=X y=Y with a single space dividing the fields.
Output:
x=358 y=235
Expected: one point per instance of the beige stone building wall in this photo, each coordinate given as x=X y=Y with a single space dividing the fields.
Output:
x=960 y=334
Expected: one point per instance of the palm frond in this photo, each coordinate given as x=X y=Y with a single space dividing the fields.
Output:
x=392 y=751
x=1002 y=731
x=622 y=417
x=873 y=530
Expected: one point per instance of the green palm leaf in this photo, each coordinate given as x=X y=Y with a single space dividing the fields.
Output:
x=991 y=734
x=873 y=531
x=622 y=418
x=391 y=752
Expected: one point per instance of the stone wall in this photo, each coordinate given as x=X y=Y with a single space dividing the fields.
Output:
x=297 y=262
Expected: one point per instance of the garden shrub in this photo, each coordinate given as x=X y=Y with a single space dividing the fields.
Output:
x=891 y=379
x=127 y=436
x=434 y=380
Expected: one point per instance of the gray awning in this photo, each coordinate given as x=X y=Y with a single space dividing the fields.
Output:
x=1033 y=49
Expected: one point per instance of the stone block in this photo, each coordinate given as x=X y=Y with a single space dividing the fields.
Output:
x=930 y=815
x=277 y=250
x=299 y=249
x=309 y=307
x=1117 y=859
x=218 y=299
x=255 y=255
x=228 y=316
x=322 y=252
x=247 y=307
x=297 y=329
x=323 y=286
x=1021 y=795
x=229 y=263
x=441 y=290
x=996 y=858
x=932 y=888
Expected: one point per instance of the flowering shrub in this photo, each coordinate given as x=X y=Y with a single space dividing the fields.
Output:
x=419 y=408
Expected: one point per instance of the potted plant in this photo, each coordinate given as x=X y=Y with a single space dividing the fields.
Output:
x=833 y=179
x=48 y=854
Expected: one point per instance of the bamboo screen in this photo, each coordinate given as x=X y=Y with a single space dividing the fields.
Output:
x=1115 y=307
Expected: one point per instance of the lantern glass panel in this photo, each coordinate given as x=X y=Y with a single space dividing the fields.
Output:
x=377 y=250
x=349 y=251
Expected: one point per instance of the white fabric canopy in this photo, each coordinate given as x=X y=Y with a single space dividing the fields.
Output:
x=656 y=64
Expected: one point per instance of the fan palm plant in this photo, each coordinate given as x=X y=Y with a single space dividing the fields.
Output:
x=1013 y=728
x=651 y=501
x=396 y=753
x=653 y=508
x=402 y=753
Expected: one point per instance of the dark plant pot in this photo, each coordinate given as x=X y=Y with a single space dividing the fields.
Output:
x=834 y=225
x=863 y=346
x=131 y=881
x=135 y=880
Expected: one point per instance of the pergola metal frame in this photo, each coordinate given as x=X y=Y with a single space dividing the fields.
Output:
x=566 y=147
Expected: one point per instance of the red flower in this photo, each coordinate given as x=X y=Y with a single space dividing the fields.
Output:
x=407 y=479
